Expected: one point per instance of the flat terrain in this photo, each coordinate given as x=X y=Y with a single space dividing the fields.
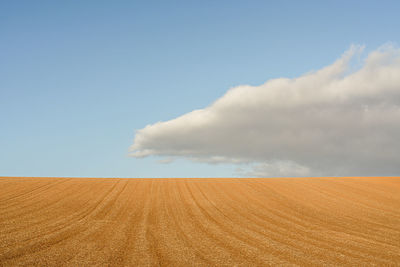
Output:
x=200 y=222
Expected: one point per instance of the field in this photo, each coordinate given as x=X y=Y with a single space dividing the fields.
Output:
x=199 y=222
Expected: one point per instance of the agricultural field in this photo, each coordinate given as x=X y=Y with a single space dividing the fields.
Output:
x=199 y=222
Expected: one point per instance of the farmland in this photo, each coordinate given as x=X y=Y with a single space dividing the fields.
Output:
x=199 y=222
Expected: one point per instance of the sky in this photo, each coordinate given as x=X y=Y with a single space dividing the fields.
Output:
x=199 y=88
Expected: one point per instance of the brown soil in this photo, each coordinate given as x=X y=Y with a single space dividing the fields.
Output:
x=200 y=222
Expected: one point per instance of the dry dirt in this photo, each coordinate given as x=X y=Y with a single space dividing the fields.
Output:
x=199 y=222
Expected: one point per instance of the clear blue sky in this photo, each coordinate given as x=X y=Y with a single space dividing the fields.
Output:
x=78 y=77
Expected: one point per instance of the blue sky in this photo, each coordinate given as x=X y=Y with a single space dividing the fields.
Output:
x=77 y=78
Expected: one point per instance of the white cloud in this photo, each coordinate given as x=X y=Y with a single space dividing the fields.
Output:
x=328 y=122
x=165 y=160
x=276 y=169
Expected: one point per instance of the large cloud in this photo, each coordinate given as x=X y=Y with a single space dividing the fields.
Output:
x=329 y=122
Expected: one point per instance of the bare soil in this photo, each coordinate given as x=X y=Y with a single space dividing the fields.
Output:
x=199 y=222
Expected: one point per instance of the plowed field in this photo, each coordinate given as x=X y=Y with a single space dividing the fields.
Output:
x=199 y=222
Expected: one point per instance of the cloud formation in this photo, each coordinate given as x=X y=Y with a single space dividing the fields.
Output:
x=333 y=121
